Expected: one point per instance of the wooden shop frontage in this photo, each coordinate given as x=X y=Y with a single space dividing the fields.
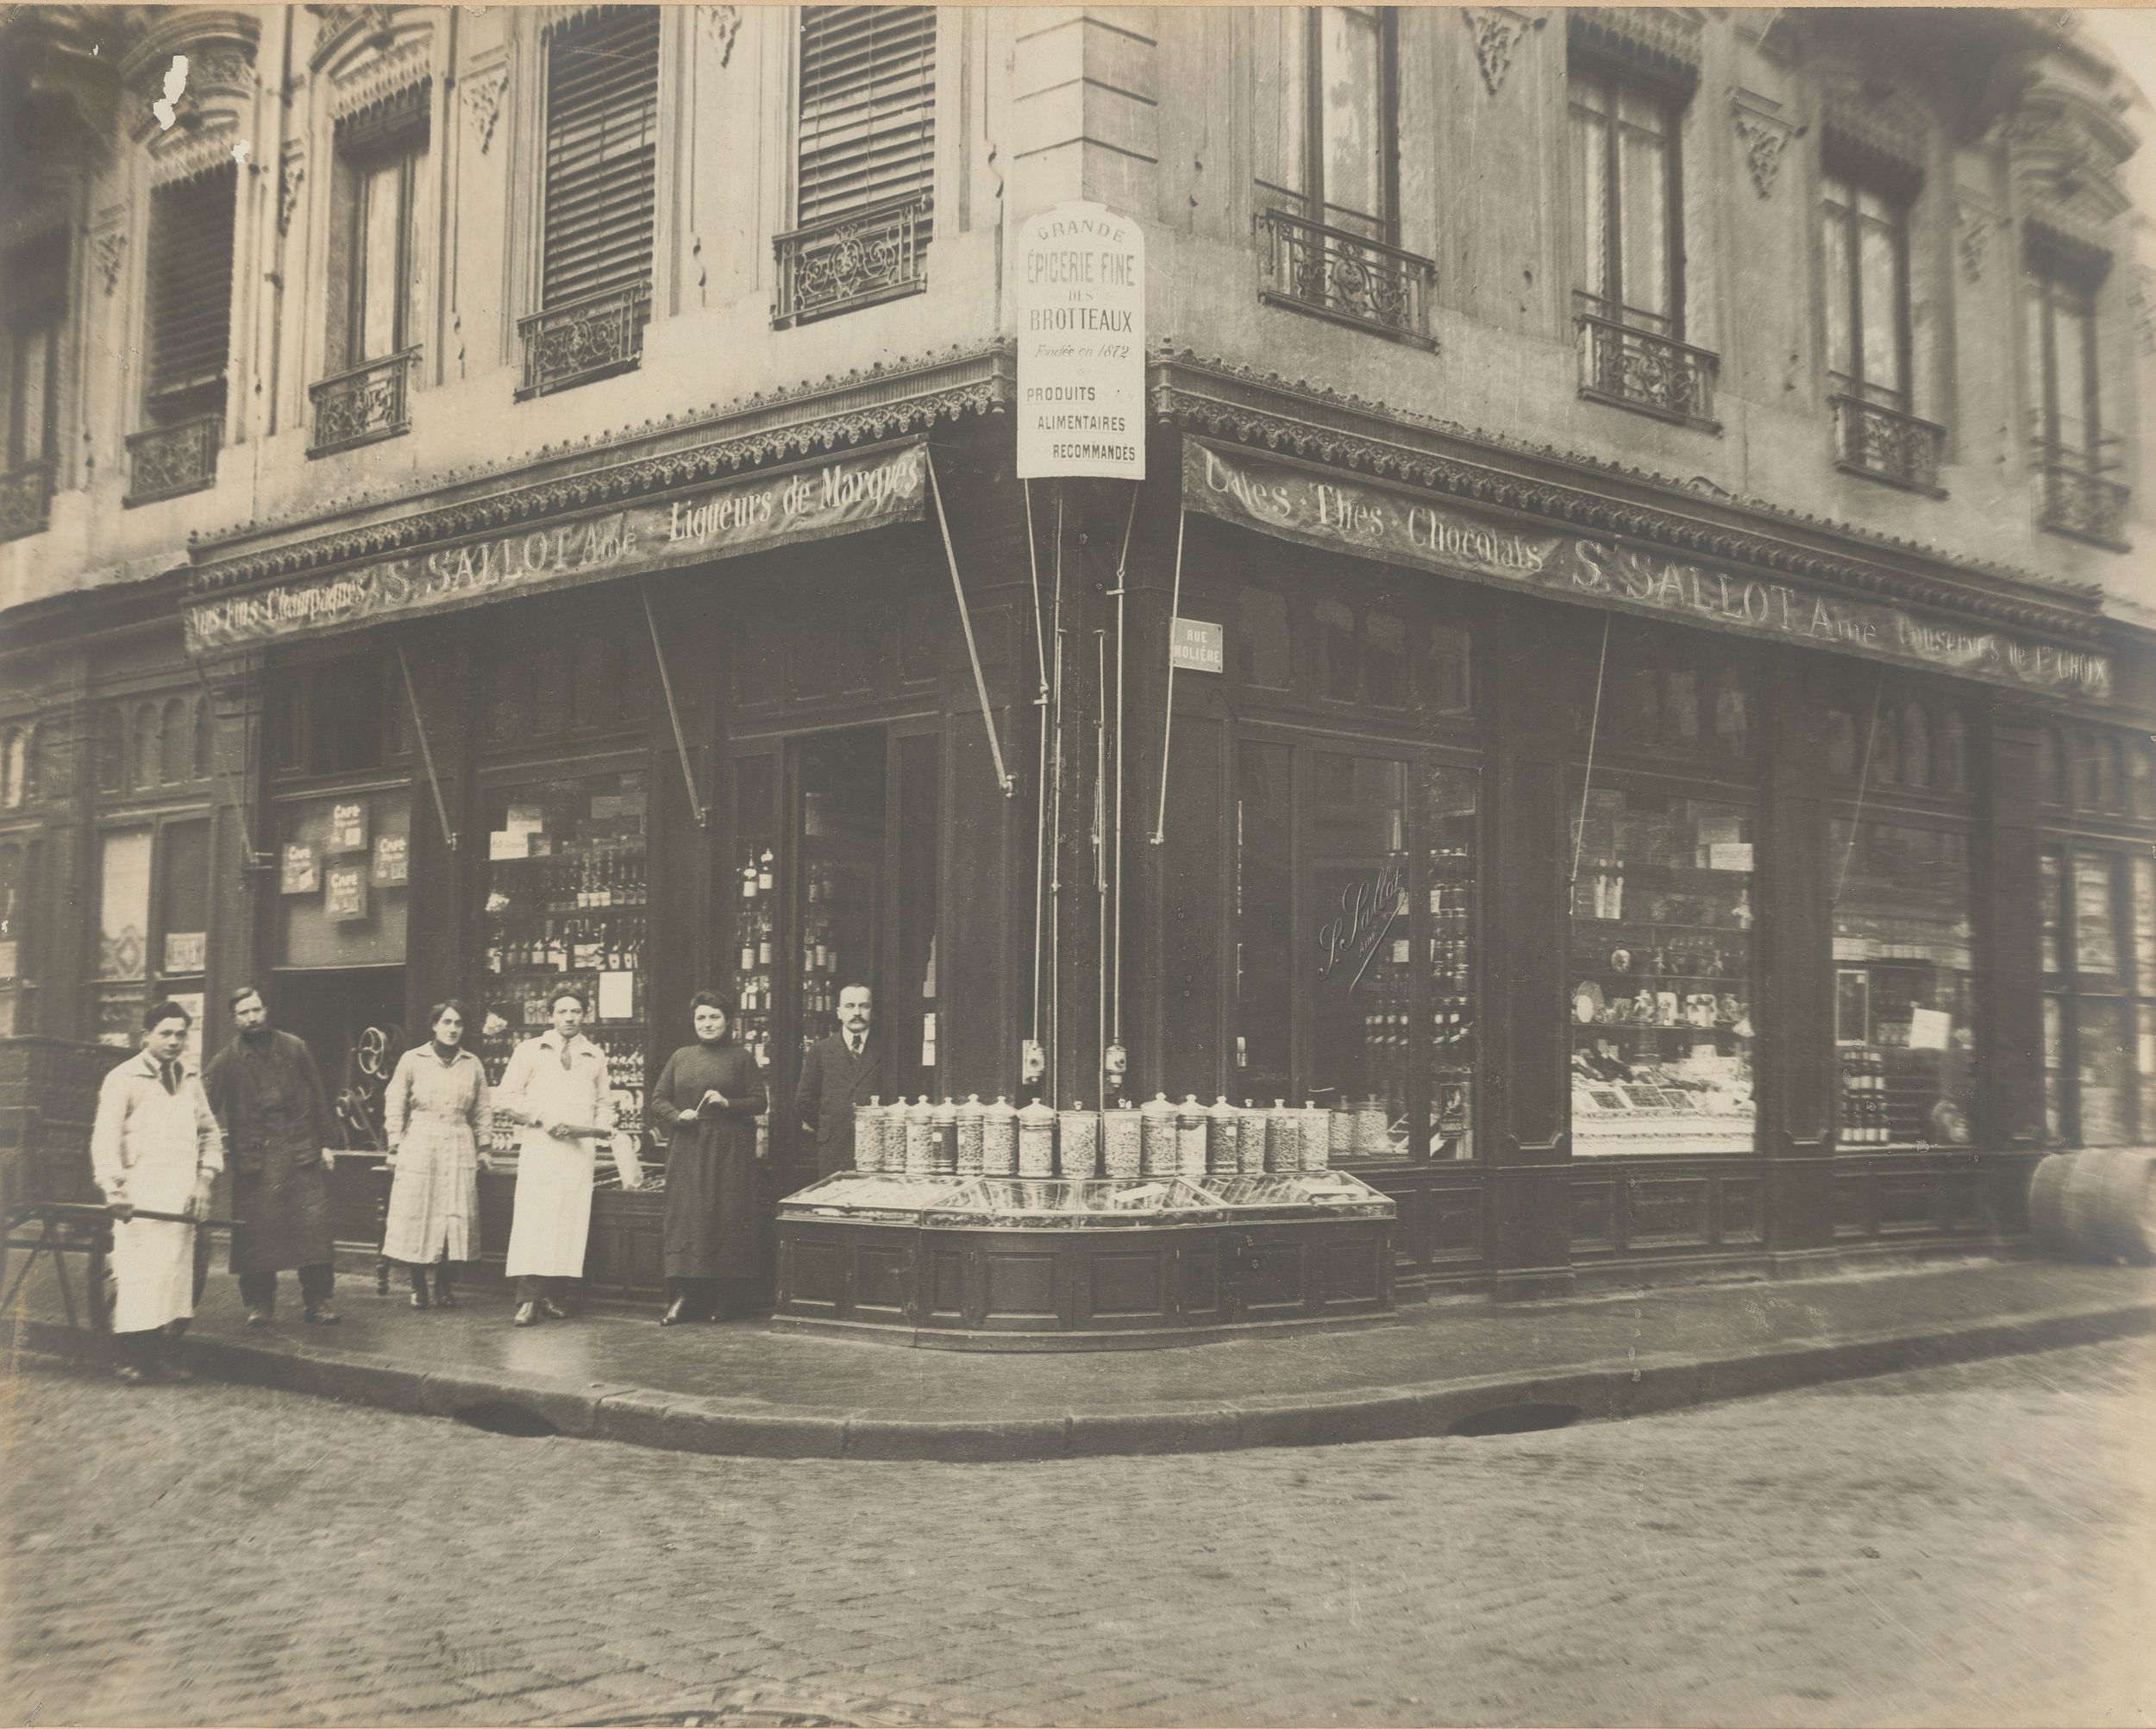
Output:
x=1636 y=883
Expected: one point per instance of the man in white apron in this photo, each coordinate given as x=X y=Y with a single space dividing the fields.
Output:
x=154 y=1147
x=557 y=1086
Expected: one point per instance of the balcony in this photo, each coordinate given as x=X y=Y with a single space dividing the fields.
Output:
x=593 y=338
x=1884 y=444
x=1630 y=367
x=367 y=403
x=168 y=461
x=2086 y=506
x=26 y=495
x=856 y=259
x=1347 y=277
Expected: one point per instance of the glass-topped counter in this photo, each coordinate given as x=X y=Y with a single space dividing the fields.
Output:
x=1055 y=1203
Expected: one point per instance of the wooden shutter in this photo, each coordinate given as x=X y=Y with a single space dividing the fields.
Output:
x=602 y=145
x=867 y=107
x=190 y=282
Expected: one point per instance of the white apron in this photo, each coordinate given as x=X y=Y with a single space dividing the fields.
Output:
x=553 y=1217
x=156 y=1137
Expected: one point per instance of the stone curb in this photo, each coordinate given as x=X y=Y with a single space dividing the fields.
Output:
x=684 y=1422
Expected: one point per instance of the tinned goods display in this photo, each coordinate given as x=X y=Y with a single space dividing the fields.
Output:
x=1078 y=1130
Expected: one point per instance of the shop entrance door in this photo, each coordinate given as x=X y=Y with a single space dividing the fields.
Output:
x=836 y=845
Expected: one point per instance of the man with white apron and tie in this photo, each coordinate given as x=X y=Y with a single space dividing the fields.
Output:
x=557 y=1086
x=154 y=1146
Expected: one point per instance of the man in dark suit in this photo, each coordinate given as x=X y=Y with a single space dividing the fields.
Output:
x=840 y=1071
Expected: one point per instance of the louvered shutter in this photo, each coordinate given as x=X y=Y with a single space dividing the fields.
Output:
x=868 y=108
x=602 y=144
x=190 y=282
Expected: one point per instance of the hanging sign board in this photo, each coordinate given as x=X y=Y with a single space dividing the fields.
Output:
x=1372 y=519
x=1080 y=294
x=1197 y=647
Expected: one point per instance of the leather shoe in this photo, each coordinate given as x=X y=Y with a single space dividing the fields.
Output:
x=552 y=1310
x=674 y=1315
x=178 y=1374
x=419 y=1300
x=444 y=1298
x=257 y=1316
x=322 y=1315
x=525 y=1315
x=128 y=1375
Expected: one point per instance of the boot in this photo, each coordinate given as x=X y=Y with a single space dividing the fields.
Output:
x=444 y=1298
x=169 y=1364
x=418 y=1276
x=675 y=1313
x=527 y=1312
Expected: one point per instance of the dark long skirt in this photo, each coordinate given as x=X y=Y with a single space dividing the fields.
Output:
x=710 y=1223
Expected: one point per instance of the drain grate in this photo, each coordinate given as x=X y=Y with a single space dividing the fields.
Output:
x=500 y=1417
x=1516 y=1420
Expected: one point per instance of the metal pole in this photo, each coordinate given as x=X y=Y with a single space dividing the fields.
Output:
x=1101 y=856
x=1040 y=812
x=965 y=622
x=426 y=751
x=1168 y=722
x=1055 y=835
x=1122 y=583
x=673 y=714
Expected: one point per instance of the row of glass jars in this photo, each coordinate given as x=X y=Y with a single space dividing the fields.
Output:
x=1157 y=1139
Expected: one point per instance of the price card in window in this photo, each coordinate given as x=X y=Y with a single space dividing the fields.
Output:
x=392 y=860
x=1928 y=1028
x=347 y=826
x=297 y=874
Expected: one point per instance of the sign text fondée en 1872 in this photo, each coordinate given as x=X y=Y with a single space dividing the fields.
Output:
x=1082 y=344
x=1400 y=527
x=747 y=515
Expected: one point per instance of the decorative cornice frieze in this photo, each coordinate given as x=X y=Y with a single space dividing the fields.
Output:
x=110 y=250
x=1764 y=135
x=2140 y=300
x=859 y=408
x=1662 y=38
x=1234 y=403
x=1974 y=225
x=208 y=146
x=722 y=24
x=1497 y=31
x=483 y=93
x=291 y=182
x=376 y=77
x=1884 y=134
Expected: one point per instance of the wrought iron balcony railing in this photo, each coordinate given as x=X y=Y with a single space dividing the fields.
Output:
x=582 y=340
x=1343 y=276
x=167 y=461
x=25 y=495
x=1642 y=369
x=856 y=259
x=1871 y=438
x=2087 y=506
x=368 y=402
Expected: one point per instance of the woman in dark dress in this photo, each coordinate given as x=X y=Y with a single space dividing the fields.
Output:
x=707 y=1099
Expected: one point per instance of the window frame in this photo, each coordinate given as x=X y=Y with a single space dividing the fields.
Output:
x=156 y=982
x=1312 y=202
x=1673 y=100
x=2125 y=989
x=570 y=35
x=2053 y=278
x=922 y=189
x=1900 y=202
x=366 y=145
x=169 y=403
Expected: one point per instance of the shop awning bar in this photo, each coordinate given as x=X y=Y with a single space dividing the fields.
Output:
x=426 y=751
x=673 y=711
x=965 y=620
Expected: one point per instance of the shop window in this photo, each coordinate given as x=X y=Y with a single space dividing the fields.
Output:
x=1916 y=746
x=146 y=748
x=759 y=658
x=343 y=863
x=1335 y=622
x=1264 y=646
x=1444 y=688
x=1733 y=721
x=756 y=907
x=2086 y=777
x=190 y=293
x=18 y=768
x=1327 y=134
x=1951 y=763
x=176 y=743
x=1384 y=659
x=2051 y=767
x=2098 y=920
x=923 y=634
x=565 y=908
x=349 y=716
x=1905 y=1046
x=123 y=931
x=1665 y=696
x=2141 y=779
x=1886 y=748
x=18 y=876
x=112 y=751
x=203 y=753
x=1662 y=951
x=1841 y=744
x=2110 y=772
x=1354 y=945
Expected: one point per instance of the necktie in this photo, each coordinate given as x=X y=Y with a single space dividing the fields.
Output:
x=565 y=1053
x=170 y=1072
x=853 y=1045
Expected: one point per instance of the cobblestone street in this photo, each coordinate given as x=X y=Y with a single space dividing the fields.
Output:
x=1963 y=1546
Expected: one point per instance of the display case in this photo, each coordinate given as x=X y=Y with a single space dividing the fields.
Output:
x=1662 y=951
x=565 y=907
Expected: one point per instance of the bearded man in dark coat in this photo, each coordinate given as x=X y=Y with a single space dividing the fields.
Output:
x=268 y=1098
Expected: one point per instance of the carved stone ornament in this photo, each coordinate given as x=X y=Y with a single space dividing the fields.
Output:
x=1764 y=137
x=1972 y=240
x=483 y=94
x=1498 y=31
x=182 y=158
x=291 y=182
x=723 y=24
x=380 y=75
x=111 y=247
x=2140 y=300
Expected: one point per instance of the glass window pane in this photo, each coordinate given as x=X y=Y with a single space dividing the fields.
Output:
x=2071 y=338
x=2095 y=929
x=1445 y=681
x=2050 y=907
x=1265 y=947
x=2145 y=1068
x=1263 y=647
x=1661 y=1008
x=1879 y=265
x=124 y=920
x=1448 y=819
x=1385 y=658
x=2104 y=1073
x=184 y=897
x=1336 y=650
x=1834 y=252
x=1352 y=97
x=33 y=357
x=1902 y=961
x=347 y=902
x=1283 y=57
x=2144 y=927
x=2054 y=1070
x=1590 y=184
x=1644 y=189
x=381 y=231
x=1950 y=770
x=1917 y=746
x=1358 y=897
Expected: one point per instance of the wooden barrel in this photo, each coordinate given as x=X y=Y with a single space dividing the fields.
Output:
x=2047 y=1215
x=2108 y=1204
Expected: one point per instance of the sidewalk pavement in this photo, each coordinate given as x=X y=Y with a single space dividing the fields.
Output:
x=740 y=1388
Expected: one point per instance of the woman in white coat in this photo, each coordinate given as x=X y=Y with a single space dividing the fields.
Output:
x=556 y=1087
x=154 y=1146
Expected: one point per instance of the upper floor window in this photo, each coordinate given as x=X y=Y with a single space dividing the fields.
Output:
x=33 y=307
x=1863 y=238
x=339 y=717
x=1627 y=225
x=2074 y=451
x=18 y=766
x=190 y=336
x=865 y=161
x=600 y=200
x=1326 y=133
